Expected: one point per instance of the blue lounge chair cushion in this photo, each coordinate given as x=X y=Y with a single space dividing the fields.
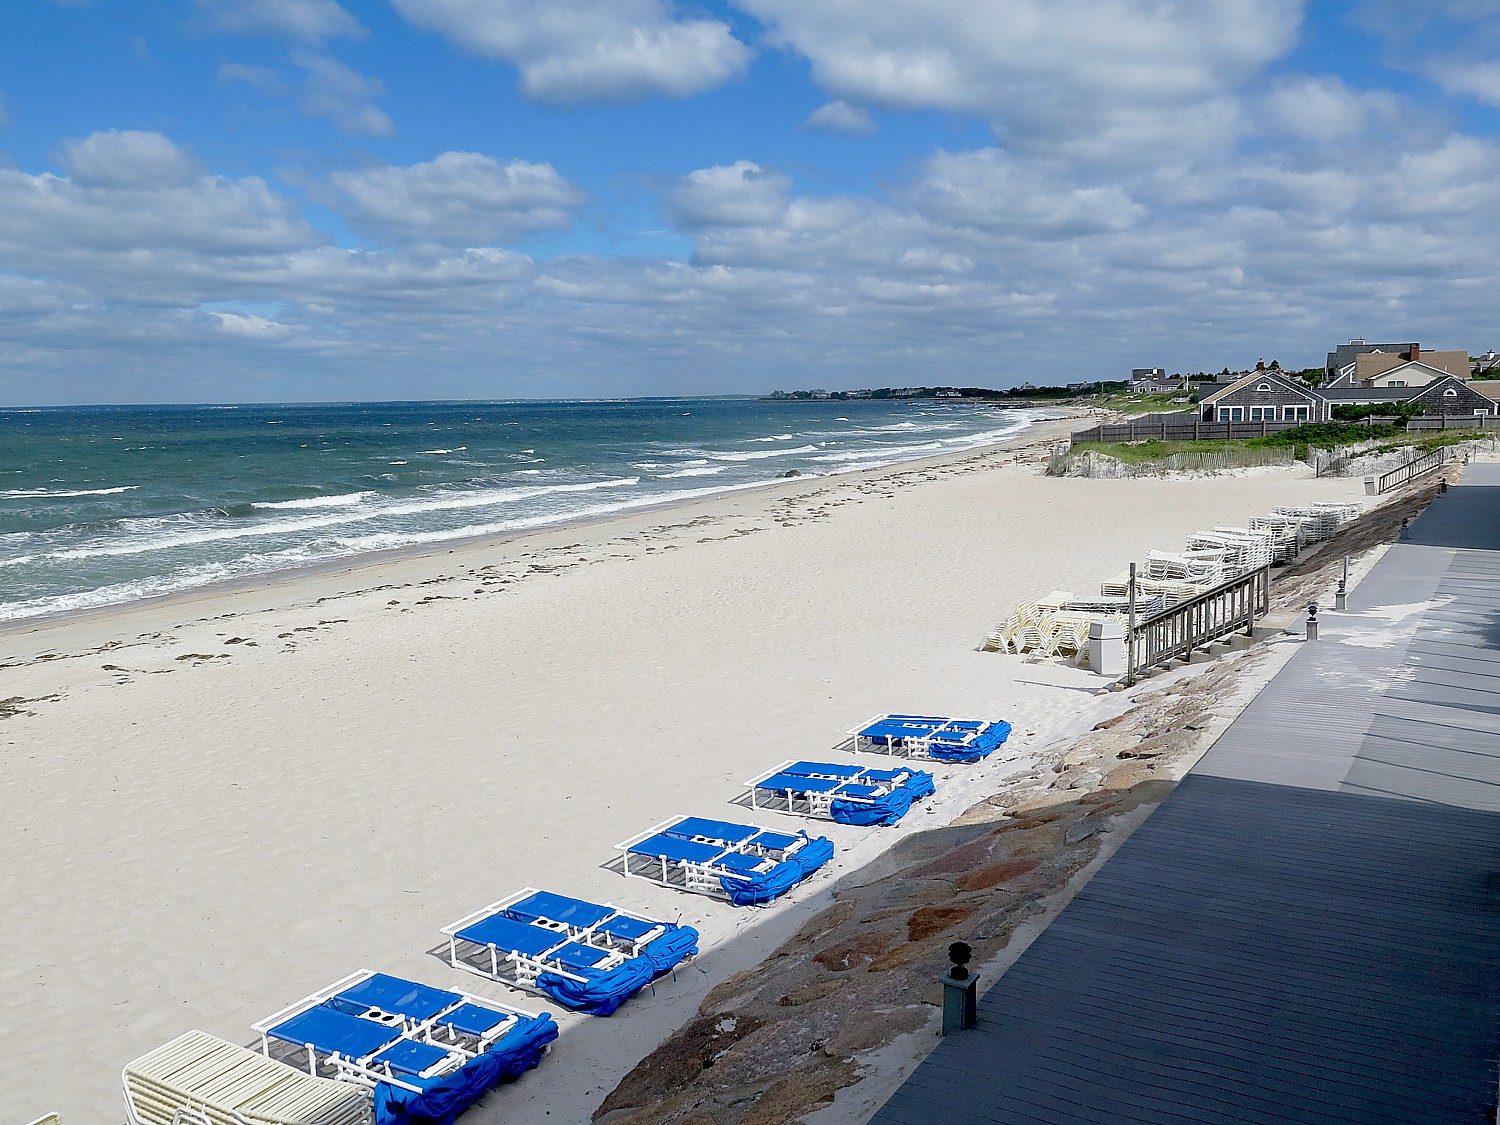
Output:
x=690 y=827
x=782 y=877
x=510 y=936
x=601 y=992
x=674 y=946
x=332 y=1032
x=919 y=785
x=777 y=841
x=741 y=865
x=579 y=958
x=970 y=748
x=672 y=848
x=473 y=1019
x=625 y=928
x=409 y=1057
x=392 y=994
x=795 y=783
x=444 y=1098
x=558 y=908
x=884 y=808
x=822 y=769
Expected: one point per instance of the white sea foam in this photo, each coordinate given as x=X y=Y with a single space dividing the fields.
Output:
x=889 y=452
x=342 y=501
x=442 y=452
x=719 y=455
x=60 y=493
x=776 y=437
x=698 y=471
x=152 y=539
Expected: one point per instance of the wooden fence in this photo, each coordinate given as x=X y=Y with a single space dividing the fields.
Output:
x=1456 y=422
x=1181 y=427
x=1176 y=633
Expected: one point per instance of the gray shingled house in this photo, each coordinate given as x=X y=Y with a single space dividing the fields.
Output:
x=1264 y=396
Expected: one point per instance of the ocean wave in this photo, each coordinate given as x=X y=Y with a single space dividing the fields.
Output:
x=759 y=456
x=60 y=493
x=696 y=471
x=886 y=454
x=777 y=437
x=152 y=540
x=441 y=452
x=342 y=501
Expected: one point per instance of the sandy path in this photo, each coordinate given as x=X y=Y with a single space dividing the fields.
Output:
x=235 y=798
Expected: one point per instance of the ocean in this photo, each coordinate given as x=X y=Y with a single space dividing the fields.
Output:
x=106 y=505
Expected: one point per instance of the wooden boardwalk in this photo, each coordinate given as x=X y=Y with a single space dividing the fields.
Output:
x=1308 y=929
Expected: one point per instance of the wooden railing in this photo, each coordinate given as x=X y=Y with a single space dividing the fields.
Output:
x=1410 y=471
x=1176 y=633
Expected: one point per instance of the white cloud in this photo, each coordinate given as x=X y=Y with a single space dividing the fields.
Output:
x=262 y=78
x=1318 y=109
x=307 y=21
x=250 y=325
x=1044 y=73
x=128 y=159
x=590 y=50
x=737 y=195
x=1479 y=79
x=993 y=191
x=459 y=199
x=338 y=92
x=841 y=117
x=137 y=215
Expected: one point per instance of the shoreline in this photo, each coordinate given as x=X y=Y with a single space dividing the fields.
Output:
x=244 y=796
x=353 y=564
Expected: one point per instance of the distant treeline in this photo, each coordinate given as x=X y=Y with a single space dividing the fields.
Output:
x=1027 y=391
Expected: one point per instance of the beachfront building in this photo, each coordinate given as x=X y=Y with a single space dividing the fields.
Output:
x=1446 y=397
x=1264 y=396
x=1359 y=364
x=1452 y=397
x=1151 y=380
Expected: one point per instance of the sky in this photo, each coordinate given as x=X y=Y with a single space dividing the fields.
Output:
x=297 y=200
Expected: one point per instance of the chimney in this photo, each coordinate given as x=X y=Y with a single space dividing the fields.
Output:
x=1260 y=365
x=1416 y=353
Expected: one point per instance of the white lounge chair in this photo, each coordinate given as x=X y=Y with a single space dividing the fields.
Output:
x=198 y=1079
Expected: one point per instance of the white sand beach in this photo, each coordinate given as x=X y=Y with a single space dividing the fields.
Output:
x=218 y=803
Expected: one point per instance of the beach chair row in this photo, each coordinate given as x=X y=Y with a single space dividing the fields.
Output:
x=373 y=1049
x=1058 y=624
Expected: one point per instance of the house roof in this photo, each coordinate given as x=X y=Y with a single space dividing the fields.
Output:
x=1273 y=377
x=1345 y=395
x=1416 y=366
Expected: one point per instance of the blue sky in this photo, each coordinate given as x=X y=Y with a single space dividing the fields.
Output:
x=232 y=200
